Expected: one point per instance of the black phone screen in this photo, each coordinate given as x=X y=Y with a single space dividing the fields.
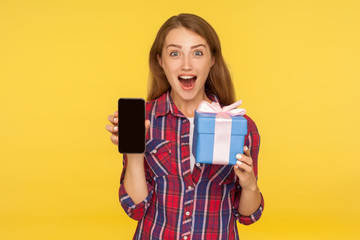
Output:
x=131 y=130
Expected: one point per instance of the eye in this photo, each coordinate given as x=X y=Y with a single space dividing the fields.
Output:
x=174 y=54
x=198 y=53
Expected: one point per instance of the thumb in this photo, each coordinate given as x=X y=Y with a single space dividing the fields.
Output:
x=147 y=126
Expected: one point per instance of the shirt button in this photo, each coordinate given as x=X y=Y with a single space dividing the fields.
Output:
x=187 y=213
x=190 y=187
x=198 y=164
x=154 y=151
x=185 y=237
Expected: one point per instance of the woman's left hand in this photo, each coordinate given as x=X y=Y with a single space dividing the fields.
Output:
x=244 y=170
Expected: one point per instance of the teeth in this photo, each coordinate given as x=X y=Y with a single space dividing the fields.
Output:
x=186 y=77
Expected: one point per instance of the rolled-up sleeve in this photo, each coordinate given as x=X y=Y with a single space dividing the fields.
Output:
x=247 y=220
x=135 y=211
x=253 y=142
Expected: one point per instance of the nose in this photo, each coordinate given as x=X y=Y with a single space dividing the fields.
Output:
x=186 y=63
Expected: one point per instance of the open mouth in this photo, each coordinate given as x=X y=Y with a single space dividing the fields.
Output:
x=187 y=81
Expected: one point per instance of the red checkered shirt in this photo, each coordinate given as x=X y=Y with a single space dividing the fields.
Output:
x=181 y=204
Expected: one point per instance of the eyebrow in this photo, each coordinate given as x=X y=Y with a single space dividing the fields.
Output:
x=179 y=46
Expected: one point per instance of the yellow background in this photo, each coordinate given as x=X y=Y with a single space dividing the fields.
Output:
x=64 y=64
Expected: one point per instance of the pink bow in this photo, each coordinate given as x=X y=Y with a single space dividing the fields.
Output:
x=215 y=107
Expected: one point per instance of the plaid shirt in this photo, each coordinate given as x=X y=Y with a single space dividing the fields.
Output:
x=182 y=204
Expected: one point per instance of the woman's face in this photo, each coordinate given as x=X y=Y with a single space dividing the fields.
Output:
x=186 y=61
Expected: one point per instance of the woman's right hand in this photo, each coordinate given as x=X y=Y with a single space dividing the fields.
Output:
x=113 y=129
x=134 y=179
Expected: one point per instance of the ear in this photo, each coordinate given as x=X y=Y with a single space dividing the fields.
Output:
x=212 y=61
x=159 y=60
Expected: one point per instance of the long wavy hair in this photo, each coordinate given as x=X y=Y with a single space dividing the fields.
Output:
x=218 y=81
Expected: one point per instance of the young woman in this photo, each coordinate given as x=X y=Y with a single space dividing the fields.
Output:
x=170 y=195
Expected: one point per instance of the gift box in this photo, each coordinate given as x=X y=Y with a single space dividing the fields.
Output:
x=219 y=133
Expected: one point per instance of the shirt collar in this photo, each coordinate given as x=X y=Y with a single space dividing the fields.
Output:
x=165 y=104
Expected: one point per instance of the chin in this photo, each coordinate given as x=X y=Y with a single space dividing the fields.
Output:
x=188 y=96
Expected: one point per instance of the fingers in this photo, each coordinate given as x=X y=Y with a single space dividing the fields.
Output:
x=243 y=167
x=113 y=119
x=244 y=163
x=111 y=129
x=244 y=170
x=244 y=159
x=114 y=139
x=247 y=151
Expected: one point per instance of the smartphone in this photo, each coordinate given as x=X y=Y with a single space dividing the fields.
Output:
x=131 y=125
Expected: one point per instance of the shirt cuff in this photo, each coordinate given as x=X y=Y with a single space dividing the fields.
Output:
x=135 y=211
x=247 y=220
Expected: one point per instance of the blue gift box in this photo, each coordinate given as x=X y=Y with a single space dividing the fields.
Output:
x=203 y=139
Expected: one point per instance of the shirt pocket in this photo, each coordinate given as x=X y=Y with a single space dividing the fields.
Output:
x=158 y=156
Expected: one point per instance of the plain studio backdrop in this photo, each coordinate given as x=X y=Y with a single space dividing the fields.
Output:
x=64 y=64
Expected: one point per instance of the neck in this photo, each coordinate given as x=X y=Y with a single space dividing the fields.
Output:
x=187 y=107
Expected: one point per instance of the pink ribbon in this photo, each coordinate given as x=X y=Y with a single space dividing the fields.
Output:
x=222 y=132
